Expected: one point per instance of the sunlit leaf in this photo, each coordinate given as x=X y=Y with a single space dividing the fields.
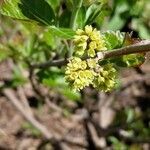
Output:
x=113 y=39
x=10 y=8
x=37 y=10
x=62 y=32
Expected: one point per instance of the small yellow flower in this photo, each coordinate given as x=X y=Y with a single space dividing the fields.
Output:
x=73 y=75
x=73 y=64
x=92 y=63
x=86 y=39
x=83 y=65
x=81 y=73
x=77 y=85
x=88 y=29
x=77 y=73
x=93 y=45
x=82 y=46
x=90 y=74
x=79 y=32
x=80 y=39
x=105 y=80
x=91 y=52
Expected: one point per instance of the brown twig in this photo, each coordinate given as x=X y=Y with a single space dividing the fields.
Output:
x=141 y=47
x=50 y=63
x=23 y=99
x=98 y=141
x=14 y=100
x=42 y=95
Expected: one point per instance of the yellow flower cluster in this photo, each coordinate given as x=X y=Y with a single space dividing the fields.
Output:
x=88 y=42
x=105 y=79
x=81 y=73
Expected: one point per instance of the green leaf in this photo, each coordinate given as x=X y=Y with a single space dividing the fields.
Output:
x=113 y=39
x=17 y=78
x=38 y=10
x=10 y=8
x=54 y=4
x=116 y=144
x=65 y=33
x=54 y=78
x=100 y=20
x=80 y=22
x=144 y=31
x=132 y=60
x=92 y=13
x=120 y=15
x=49 y=39
x=64 y=19
x=58 y=83
x=71 y=94
x=116 y=23
x=50 y=76
x=130 y=114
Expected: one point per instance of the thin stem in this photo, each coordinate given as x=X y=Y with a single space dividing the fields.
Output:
x=50 y=63
x=141 y=47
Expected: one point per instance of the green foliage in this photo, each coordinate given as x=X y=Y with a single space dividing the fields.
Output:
x=117 y=145
x=46 y=33
x=54 y=4
x=17 y=78
x=62 y=32
x=113 y=39
x=37 y=10
x=52 y=39
x=117 y=39
x=10 y=8
x=132 y=13
x=94 y=11
x=54 y=78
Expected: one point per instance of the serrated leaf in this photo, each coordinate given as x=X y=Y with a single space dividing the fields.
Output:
x=65 y=33
x=38 y=10
x=132 y=60
x=113 y=39
x=10 y=8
